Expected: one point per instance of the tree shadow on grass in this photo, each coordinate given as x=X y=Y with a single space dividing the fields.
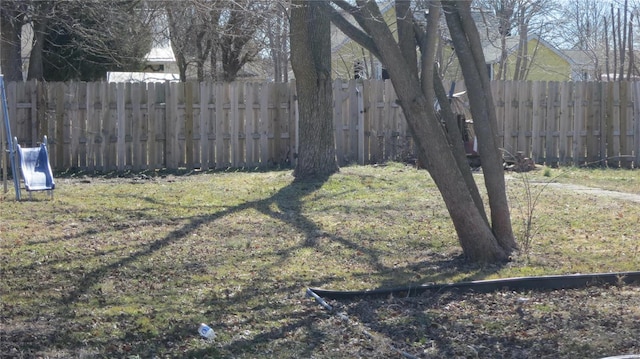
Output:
x=286 y=205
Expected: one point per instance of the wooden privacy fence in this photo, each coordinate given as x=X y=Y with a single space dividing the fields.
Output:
x=136 y=126
x=571 y=123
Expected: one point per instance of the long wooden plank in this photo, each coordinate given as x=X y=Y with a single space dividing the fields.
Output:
x=626 y=151
x=592 y=119
x=137 y=127
x=188 y=123
x=613 y=128
x=337 y=120
x=204 y=117
x=120 y=127
x=523 y=119
x=59 y=92
x=636 y=122
x=234 y=124
x=551 y=129
x=538 y=98
x=577 y=143
x=80 y=126
x=564 y=128
x=171 y=150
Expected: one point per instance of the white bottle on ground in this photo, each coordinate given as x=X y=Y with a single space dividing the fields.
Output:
x=206 y=331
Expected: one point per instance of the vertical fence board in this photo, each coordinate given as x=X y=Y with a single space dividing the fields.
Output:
x=101 y=137
x=538 y=94
x=219 y=101
x=284 y=120
x=137 y=127
x=564 y=147
x=510 y=115
x=264 y=123
x=497 y=88
x=625 y=149
x=352 y=120
x=577 y=142
x=250 y=125
x=636 y=122
x=551 y=127
x=80 y=128
x=188 y=123
x=337 y=120
x=234 y=126
x=361 y=147
x=365 y=97
x=204 y=117
x=523 y=119
x=151 y=127
x=120 y=126
x=593 y=105
x=171 y=154
x=613 y=125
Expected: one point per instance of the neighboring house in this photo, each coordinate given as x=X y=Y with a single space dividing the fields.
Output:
x=160 y=65
x=544 y=61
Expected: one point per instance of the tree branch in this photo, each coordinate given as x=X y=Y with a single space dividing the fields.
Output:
x=349 y=29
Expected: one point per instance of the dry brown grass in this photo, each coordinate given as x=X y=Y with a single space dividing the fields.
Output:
x=129 y=267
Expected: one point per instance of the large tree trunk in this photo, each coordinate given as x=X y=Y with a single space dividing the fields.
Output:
x=467 y=45
x=311 y=62
x=475 y=236
x=10 y=29
x=36 y=58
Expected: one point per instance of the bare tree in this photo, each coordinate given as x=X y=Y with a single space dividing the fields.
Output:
x=481 y=239
x=507 y=19
x=603 y=31
x=75 y=38
x=226 y=33
x=12 y=18
x=277 y=40
x=191 y=25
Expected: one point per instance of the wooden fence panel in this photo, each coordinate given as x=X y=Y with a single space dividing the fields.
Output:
x=107 y=127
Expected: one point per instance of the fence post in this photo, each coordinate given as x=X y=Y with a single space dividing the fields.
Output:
x=636 y=122
x=361 y=129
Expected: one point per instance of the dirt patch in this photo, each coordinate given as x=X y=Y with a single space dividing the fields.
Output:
x=588 y=323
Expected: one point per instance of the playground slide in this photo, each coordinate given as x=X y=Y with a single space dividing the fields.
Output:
x=35 y=168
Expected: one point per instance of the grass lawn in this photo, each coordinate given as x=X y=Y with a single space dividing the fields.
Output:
x=128 y=267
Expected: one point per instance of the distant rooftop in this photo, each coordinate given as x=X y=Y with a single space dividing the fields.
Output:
x=141 y=77
x=161 y=54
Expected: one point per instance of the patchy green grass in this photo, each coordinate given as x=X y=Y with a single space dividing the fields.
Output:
x=130 y=266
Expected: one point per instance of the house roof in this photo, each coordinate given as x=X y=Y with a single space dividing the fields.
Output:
x=492 y=52
x=579 y=57
x=160 y=54
x=141 y=77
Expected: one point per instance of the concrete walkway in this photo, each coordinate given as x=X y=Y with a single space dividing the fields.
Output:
x=591 y=190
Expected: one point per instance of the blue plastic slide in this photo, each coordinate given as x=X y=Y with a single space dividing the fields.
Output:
x=35 y=167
